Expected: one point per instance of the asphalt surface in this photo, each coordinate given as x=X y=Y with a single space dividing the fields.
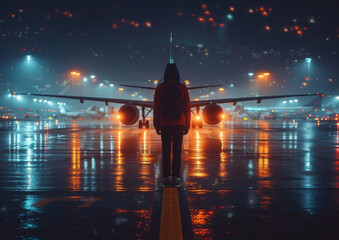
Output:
x=100 y=180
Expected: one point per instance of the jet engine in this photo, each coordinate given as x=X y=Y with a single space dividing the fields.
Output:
x=128 y=114
x=212 y=114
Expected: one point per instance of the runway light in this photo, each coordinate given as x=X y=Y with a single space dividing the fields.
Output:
x=221 y=89
x=291 y=101
x=250 y=74
x=308 y=60
x=28 y=57
x=85 y=79
x=9 y=95
x=295 y=100
x=111 y=85
x=284 y=101
x=18 y=97
x=121 y=89
x=92 y=76
x=35 y=99
x=101 y=84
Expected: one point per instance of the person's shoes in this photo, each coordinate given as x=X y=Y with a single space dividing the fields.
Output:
x=166 y=182
x=176 y=182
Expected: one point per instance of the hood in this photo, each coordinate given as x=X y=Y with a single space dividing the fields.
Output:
x=171 y=73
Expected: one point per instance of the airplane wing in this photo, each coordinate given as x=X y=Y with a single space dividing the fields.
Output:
x=153 y=88
x=148 y=104
x=132 y=86
x=258 y=99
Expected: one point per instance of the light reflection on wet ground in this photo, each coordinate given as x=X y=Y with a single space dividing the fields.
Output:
x=237 y=175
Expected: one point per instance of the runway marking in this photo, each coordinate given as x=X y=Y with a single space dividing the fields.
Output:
x=170 y=224
x=88 y=201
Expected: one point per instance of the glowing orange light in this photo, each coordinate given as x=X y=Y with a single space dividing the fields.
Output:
x=187 y=82
x=114 y=26
x=266 y=74
x=250 y=10
x=260 y=76
x=299 y=32
x=180 y=14
x=268 y=28
x=201 y=19
x=221 y=89
x=118 y=116
x=265 y=14
x=196 y=99
x=197 y=117
x=148 y=24
x=231 y=8
x=207 y=12
x=210 y=19
x=204 y=6
x=222 y=25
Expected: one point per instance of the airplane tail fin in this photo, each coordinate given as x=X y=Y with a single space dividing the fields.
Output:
x=315 y=103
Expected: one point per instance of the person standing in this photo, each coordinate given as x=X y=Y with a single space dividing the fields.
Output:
x=171 y=120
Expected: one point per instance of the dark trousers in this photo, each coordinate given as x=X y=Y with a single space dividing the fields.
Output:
x=171 y=136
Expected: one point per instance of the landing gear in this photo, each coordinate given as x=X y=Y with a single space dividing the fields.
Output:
x=144 y=122
x=196 y=121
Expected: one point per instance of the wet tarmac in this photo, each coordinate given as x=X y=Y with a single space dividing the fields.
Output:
x=100 y=180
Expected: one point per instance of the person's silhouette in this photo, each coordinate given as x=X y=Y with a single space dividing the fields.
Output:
x=171 y=120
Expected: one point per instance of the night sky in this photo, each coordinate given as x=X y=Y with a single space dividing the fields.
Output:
x=127 y=41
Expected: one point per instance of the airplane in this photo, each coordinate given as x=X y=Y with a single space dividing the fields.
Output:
x=128 y=113
x=286 y=112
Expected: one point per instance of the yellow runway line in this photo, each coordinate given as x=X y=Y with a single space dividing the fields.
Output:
x=170 y=225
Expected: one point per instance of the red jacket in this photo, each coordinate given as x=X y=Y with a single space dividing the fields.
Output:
x=184 y=120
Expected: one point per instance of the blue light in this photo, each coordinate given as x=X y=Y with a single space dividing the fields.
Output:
x=28 y=57
x=308 y=60
x=229 y=16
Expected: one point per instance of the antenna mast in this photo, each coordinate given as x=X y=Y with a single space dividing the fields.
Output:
x=171 y=49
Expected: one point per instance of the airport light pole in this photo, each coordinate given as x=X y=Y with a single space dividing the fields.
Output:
x=266 y=81
x=28 y=58
x=308 y=60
